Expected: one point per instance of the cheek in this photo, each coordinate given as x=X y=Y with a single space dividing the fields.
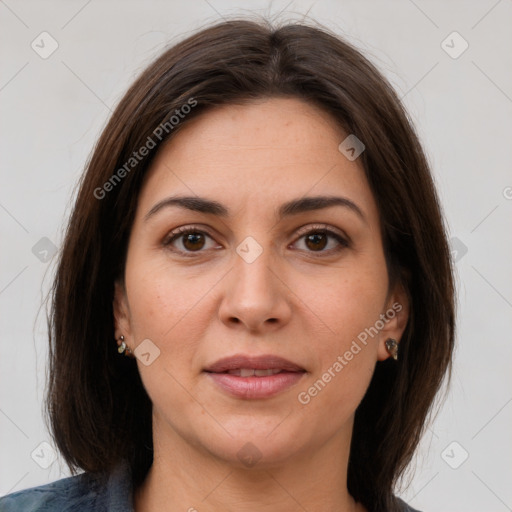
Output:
x=345 y=359
x=155 y=303
x=166 y=305
x=347 y=351
x=166 y=308
x=352 y=303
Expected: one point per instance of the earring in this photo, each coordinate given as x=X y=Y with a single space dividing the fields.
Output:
x=123 y=347
x=392 y=348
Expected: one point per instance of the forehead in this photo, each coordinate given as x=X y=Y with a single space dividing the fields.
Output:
x=264 y=152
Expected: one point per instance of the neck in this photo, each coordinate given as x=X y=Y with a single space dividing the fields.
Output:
x=189 y=478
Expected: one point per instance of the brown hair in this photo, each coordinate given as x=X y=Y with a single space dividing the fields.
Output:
x=96 y=404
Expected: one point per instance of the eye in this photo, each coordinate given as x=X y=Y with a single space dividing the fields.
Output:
x=317 y=239
x=190 y=238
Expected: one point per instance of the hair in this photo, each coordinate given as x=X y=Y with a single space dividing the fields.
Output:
x=97 y=407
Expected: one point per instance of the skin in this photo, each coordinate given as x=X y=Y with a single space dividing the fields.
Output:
x=304 y=302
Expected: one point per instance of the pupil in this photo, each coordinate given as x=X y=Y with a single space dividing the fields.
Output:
x=194 y=238
x=314 y=238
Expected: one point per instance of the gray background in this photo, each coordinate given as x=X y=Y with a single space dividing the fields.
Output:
x=53 y=109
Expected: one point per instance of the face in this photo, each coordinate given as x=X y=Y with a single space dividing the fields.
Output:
x=306 y=284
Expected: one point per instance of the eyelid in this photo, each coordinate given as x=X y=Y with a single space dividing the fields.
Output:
x=343 y=240
x=304 y=230
x=182 y=230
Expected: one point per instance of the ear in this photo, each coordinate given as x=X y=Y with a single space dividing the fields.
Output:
x=395 y=317
x=122 y=324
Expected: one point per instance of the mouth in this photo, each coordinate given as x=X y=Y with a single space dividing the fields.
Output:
x=252 y=372
x=250 y=377
x=261 y=366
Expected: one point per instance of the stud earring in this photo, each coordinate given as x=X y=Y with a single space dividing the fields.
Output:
x=123 y=347
x=392 y=348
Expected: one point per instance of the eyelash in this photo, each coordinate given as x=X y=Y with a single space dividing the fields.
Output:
x=318 y=229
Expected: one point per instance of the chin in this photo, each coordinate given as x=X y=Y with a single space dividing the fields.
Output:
x=258 y=446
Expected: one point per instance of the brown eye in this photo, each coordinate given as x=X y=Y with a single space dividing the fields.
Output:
x=193 y=241
x=190 y=241
x=316 y=241
x=187 y=241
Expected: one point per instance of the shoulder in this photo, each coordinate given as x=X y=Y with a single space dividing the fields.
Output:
x=62 y=495
x=87 y=492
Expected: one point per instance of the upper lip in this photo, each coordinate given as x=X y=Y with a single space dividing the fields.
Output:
x=264 y=362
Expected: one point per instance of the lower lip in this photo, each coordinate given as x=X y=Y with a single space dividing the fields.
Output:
x=255 y=387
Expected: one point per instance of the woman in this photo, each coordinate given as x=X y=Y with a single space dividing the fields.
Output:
x=254 y=304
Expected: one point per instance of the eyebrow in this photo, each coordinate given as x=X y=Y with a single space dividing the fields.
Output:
x=293 y=207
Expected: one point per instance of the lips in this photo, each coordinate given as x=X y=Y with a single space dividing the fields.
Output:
x=250 y=372
x=248 y=366
x=254 y=377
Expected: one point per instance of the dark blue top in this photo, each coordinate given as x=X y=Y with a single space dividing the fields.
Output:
x=87 y=492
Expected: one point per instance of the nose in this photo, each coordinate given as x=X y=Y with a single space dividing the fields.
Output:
x=255 y=296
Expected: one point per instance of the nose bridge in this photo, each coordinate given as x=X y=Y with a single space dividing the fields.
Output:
x=253 y=267
x=254 y=295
